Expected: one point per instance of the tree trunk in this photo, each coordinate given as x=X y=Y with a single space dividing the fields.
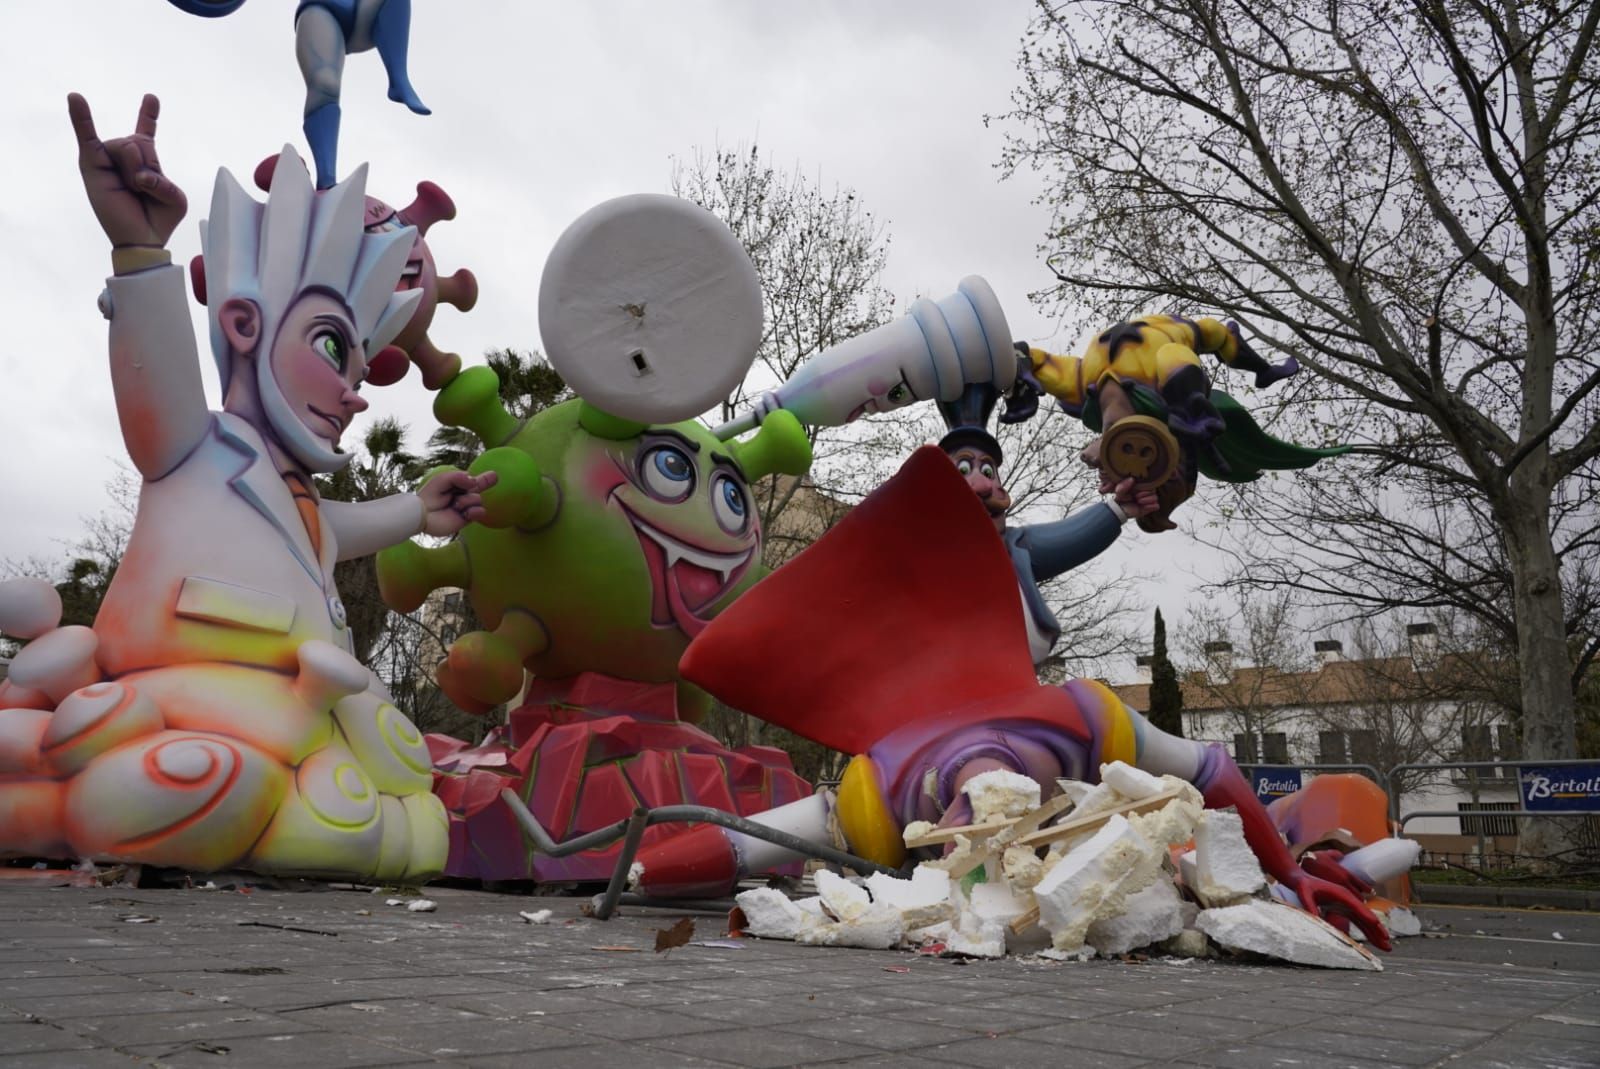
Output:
x=1548 y=728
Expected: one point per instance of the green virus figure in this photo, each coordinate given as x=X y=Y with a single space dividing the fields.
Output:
x=616 y=530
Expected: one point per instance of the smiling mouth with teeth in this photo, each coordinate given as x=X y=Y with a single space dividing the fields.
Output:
x=411 y=277
x=685 y=580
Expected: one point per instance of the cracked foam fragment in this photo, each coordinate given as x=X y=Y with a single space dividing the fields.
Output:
x=1226 y=871
x=878 y=926
x=1022 y=867
x=1093 y=880
x=1148 y=917
x=1000 y=793
x=844 y=899
x=997 y=902
x=923 y=900
x=1134 y=784
x=976 y=937
x=1401 y=922
x=1175 y=822
x=770 y=914
x=1284 y=932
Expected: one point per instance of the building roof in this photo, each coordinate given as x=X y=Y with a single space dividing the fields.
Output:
x=1340 y=682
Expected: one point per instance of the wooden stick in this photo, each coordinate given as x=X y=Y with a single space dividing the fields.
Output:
x=948 y=835
x=1072 y=825
x=1024 y=922
x=982 y=853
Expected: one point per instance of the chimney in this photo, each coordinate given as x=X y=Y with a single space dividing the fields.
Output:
x=1219 y=661
x=1328 y=650
x=1424 y=642
x=1142 y=668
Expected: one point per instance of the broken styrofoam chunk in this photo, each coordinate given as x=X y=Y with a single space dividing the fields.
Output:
x=1383 y=860
x=770 y=914
x=422 y=905
x=1226 y=869
x=1097 y=799
x=917 y=829
x=932 y=933
x=813 y=906
x=1022 y=867
x=1175 y=822
x=538 y=916
x=922 y=900
x=1132 y=783
x=1279 y=931
x=1402 y=923
x=1149 y=916
x=876 y=927
x=1093 y=879
x=975 y=937
x=845 y=899
x=1000 y=793
x=997 y=902
x=1189 y=943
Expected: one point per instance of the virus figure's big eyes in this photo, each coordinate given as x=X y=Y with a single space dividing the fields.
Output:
x=668 y=473
x=728 y=502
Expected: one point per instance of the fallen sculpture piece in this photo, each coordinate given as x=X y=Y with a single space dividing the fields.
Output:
x=1106 y=885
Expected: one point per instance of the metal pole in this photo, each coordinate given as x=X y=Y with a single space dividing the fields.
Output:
x=619 y=875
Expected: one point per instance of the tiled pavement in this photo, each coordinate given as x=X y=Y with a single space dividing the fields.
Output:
x=337 y=978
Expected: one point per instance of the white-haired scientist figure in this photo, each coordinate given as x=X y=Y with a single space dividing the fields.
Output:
x=214 y=717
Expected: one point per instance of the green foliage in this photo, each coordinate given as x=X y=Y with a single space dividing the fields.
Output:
x=1166 y=696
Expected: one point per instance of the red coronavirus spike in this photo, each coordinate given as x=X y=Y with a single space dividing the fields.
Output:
x=459 y=290
x=431 y=206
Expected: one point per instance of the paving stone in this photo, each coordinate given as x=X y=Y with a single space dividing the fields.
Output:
x=24 y=1037
x=882 y=1031
x=1392 y=1047
x=595 y=1056
x=177 y=1028
x=279 y=1051
x=633 y=1024
x=1009 y=1050
x=146 y=1000
x=759 y=1048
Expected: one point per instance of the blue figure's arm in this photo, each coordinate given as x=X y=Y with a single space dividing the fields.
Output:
x=1063 y=544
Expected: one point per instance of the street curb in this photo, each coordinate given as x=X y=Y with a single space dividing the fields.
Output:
x=1511 y=897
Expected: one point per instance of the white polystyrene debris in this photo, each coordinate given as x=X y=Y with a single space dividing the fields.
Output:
x=932 y=933
x=394 y=902
x=917 y=829
x=1188 y=870
x=770 y=914
x=1150 y=916
x=1132 y=783
x=1175 y=822
x=1280 y=931
x=1097 y=799
x=843 y=898
x=877 y=926
x=813 y=906
x=975 y=936
x=422 y=905
x=1226 y=869
x=538 y=916
x=1189 y=943
x=1382 y=860
x=1022 y=866
x=1001 y=793
x=1093 y=879
x=1402 y=923
x=996 y=902
x=922 y=900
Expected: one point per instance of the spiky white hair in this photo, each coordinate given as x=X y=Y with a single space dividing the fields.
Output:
x=271 y=253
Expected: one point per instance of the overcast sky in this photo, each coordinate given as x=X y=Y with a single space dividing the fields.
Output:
x=541 y=110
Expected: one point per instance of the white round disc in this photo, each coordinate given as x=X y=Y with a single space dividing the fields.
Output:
x=650 y=309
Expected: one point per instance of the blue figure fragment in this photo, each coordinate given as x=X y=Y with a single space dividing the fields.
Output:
x=326 y=31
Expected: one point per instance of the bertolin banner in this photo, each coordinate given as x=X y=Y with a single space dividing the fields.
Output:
x=1274 y=783
x=1561 y=788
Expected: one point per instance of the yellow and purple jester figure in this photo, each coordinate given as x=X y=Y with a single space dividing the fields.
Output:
x=1141 y=385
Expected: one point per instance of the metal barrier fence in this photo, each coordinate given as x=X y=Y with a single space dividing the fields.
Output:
x=1404 y=818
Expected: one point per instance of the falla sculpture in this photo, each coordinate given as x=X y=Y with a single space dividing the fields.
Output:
x=213 y=717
